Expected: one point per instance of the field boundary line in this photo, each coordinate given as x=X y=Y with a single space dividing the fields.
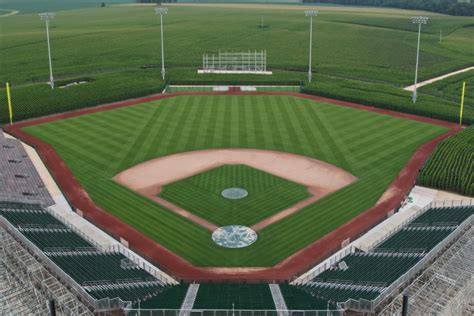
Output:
x=170 y=262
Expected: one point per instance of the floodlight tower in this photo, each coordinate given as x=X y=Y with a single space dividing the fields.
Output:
x=47 y=16
x=310 y=13
x=418 y=20
x=161 y=11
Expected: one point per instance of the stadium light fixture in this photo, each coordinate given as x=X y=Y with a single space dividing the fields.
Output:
x=48 y=16
x=310 y=13
x=161 y=11
x=418 y=20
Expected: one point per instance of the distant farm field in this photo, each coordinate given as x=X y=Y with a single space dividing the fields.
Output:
x=450 y=88
x=371 y=146
x=357 y=43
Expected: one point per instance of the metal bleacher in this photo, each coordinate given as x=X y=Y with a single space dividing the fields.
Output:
x=102 y=275
x=19 y=180
x=362 y=280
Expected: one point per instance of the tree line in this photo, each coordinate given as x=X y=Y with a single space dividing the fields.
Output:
x=452 y=7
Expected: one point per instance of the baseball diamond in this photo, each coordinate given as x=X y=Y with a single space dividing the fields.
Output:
x=281 y=158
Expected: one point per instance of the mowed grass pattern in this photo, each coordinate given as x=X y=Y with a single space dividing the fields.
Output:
x=202 y=195
x=371 y=146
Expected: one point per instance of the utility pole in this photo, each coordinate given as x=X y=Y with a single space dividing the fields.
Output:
x=417 y=20
x=161 y=11
x=47 y=16
x=310 y=13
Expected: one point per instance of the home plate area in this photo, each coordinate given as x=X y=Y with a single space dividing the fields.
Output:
x=234 y=236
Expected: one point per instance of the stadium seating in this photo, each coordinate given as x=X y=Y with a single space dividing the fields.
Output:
x=128 y=292
x=78 y=258
x=30 y=217
x=367 y=274
x=438 y=216
x=56 y=239
x=297 y=299
x=170 y=298
x=383 y=268
x=335 y=292
x=422 y=239
x=98 y=267
x=234 y=295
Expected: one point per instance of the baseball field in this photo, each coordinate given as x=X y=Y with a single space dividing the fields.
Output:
x=370 y=146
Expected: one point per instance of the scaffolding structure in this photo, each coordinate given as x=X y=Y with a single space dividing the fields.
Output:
x=446 y=287
x=26 y=286
x=235 y=63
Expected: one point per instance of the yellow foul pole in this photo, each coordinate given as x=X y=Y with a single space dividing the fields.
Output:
x=462 y=102
x=9 y=104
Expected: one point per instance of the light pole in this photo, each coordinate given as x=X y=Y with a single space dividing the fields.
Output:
x=310 y=13
x=418 y=20
x=47 y=16
x=161 y=11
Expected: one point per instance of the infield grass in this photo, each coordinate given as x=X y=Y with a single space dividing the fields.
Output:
x=371 y=146
x=202 y=195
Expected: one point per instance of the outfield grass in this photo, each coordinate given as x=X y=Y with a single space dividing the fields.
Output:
x=371 y=146
x=202 y=195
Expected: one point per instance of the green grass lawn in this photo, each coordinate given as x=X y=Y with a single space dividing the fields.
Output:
x=371 y=146
x=202 y=195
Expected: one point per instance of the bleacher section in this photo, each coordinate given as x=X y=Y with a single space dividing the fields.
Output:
x=365 y=275
x=443 y=216
x=19 y=180
x=98 y=267
x=55 y=239
x=379 y=268
x=297 y=299
x=415 y=239
x=169 y=298
x=102 y=275
x=234 y=295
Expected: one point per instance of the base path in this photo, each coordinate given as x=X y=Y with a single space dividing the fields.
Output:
x=170 y=262
x=426 y=82
x=150 y=176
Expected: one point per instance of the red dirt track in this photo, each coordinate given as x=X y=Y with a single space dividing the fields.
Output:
x=182 y=269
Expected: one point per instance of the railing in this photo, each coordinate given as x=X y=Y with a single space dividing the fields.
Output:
x=97 y=305
x=230 y=312
x=323 y=266
x=364 y=305
x=74 y=228
x=151 y=269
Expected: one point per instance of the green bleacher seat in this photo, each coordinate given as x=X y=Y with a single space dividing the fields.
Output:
x=444 y=215
x=171 y=297
x=56 y=239
x=368 y=268
x=298 y=299
x=234 y=295
x=414 y=239
x=97 y=267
